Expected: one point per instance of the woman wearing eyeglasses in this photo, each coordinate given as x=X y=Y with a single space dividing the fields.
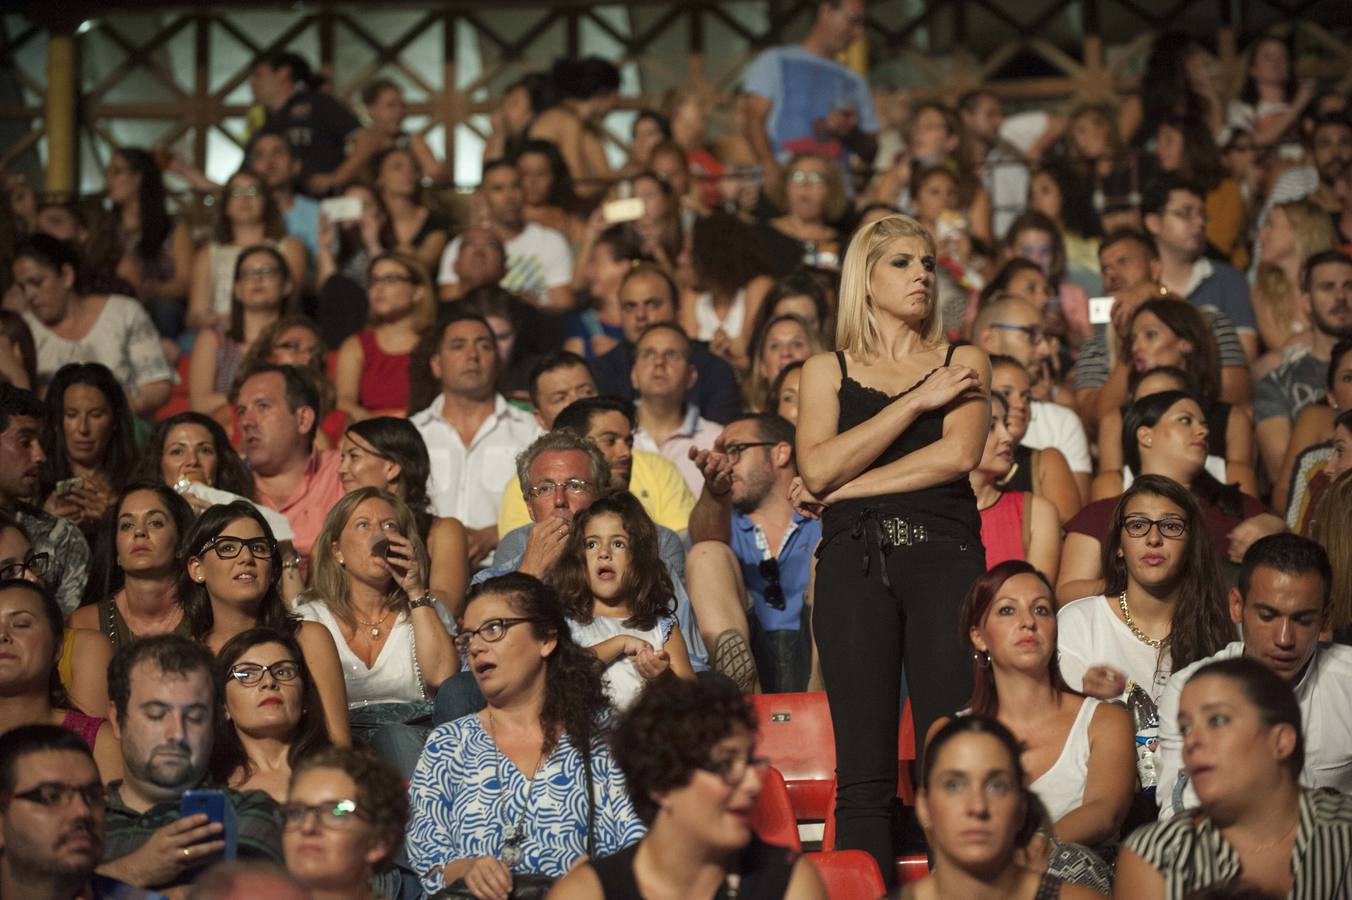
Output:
x=526 y=786
x=272 y=710
x=1164 y=434
x=343 y=825
x=31 y=634
x=685 y=748
x=1163 y=608
x=248 y=216
x=386 y=452
x=262 y=286
x=229 y=585
x=372 y=369
x=811 y=195
x=86 y=684
x=368 y=589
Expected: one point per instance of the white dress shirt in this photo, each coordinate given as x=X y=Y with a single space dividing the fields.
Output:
x=1324 y=693
x=467 y=482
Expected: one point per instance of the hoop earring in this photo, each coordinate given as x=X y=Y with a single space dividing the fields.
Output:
x=983 y=659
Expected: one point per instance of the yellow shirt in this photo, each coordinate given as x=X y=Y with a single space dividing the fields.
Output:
x=653 y=479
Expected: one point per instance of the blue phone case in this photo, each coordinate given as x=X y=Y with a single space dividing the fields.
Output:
x=217 y=809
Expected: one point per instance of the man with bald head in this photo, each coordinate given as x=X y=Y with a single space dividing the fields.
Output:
x=1013 y=327
x=648 y=295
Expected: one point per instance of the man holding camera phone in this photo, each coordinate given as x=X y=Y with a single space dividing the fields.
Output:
x=162 y=699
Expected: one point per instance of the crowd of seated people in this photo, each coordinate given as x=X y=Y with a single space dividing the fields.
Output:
x=470 y=518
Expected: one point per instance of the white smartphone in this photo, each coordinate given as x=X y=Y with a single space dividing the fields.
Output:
x=629 y=210
x=1100 y=310
x=341 y=209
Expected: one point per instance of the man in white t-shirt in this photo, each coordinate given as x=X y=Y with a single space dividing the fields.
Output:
x=1281 y=605
x=1013 y=327
x=472 y=433
x=539 y=260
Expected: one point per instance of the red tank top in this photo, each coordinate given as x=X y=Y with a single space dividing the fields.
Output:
x=384 y=376
x=87 y=727
x=1002 y=529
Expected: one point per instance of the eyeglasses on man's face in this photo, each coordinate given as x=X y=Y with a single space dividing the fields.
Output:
x=574 y=486
x=58 y=793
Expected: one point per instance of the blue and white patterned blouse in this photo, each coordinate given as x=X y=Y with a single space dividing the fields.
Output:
x=459 y=810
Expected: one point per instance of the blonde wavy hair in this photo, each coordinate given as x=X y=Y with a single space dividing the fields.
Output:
x=1333 y=530
x=329 y=580
x=1313 y=230
x=856 y=325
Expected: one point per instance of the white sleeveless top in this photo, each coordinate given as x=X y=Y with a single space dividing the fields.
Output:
x=1061 y=788
x=707 y=322
x=621 y=677
x=394 y=677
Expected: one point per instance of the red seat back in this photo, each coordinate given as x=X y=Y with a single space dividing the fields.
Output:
x=849 y=874
x=773 y=819
x=795 y=733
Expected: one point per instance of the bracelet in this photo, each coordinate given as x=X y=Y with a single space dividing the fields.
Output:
x=291 y=562
x=427 y=599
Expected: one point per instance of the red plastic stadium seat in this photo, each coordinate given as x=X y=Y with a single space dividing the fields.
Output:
x=178 y=401
x=773 y=818
x=795 y=733
x=849 y=874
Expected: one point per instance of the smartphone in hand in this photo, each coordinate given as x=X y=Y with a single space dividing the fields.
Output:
x=217 y=809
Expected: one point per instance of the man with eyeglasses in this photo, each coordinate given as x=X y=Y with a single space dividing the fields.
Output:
x=667 y=423
x=162 y=706
x=1280 y=605
x=51 y=818
x=472 y=433
x=750 y=543
x=21 y=458
x=1174 y=212
x=1009 y=326
x=798 y=99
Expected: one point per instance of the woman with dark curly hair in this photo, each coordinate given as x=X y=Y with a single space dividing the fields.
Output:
x=133 y=578
x=272 y=708
x=389 y=454
x=343 y=824
x=229 y=585
x=191 y=446
x=90 y=444
x=731 y=282
x=685 y=748
x=618 y=597
x=528 y=785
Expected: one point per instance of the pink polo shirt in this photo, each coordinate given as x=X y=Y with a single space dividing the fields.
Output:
x=311 y=502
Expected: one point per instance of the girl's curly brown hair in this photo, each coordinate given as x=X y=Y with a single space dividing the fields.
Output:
x=647 y=585
x=670 y=731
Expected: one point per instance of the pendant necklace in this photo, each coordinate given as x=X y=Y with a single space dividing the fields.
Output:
x=513 y=834
x=374 y=626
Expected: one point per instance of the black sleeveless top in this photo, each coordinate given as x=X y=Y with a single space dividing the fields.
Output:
x=764 y=869
x=946 y=509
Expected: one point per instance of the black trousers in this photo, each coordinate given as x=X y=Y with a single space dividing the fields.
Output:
x=876 y=610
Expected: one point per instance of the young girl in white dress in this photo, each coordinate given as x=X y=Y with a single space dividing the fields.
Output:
x=618 y=597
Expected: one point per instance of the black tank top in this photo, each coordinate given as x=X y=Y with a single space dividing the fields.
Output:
x=946 y=509
x=764 y=869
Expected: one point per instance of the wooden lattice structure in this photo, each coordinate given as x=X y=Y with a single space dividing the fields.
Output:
x=182 y=72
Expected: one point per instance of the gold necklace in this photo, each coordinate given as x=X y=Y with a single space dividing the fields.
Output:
x=1140 y=635
x=374 y=626
x=1285 y=834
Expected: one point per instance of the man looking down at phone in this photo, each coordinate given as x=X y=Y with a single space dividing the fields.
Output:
x=539 y=260
x=162 y=709
x=21 y=459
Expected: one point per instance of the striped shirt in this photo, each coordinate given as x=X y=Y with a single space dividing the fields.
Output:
x=1191 y=854
x=1092 y=369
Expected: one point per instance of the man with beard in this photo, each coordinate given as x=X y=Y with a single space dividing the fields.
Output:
x=21 y=459
x=472 y=433
x=752 y=545
x=1326 y=292
x=1331 y=150
x=162 y=702
x=51 y=818
x=539 y=260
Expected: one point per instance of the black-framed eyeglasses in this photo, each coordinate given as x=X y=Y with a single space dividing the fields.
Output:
x=249 y=674
x=36 y=563
x=58 y=793
x=228 y=547
x=735 y=451
x=1172 y=527
x=335 y=814
x=774 y=591
x=1034 y=334
x=491 y=631
x=732 y=769
x=574 y=486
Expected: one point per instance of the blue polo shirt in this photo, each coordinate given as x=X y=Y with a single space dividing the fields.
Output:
x=795 y=568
